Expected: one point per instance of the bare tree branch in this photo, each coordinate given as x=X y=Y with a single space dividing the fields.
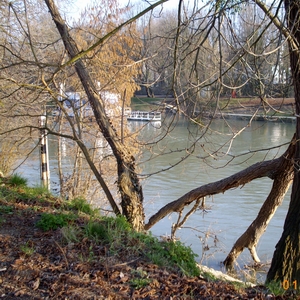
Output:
x=251 y=236
x=258 y=170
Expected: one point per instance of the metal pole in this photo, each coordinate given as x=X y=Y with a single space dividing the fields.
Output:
x=45 y=172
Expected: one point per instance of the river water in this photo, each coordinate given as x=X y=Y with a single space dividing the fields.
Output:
x=210 y=233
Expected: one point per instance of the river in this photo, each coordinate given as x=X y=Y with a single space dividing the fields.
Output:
x=212 y=233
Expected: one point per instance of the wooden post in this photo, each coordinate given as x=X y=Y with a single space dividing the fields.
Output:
x=45 y=171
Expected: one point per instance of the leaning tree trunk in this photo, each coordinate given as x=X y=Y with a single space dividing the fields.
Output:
x=128 y=182
x=285 y=266
x=255 y=171
x=282 y=180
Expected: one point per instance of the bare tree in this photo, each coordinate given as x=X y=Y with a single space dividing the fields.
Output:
x=208 y=60
x=128 y=182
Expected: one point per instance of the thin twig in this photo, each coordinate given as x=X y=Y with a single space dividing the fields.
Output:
x=63 y=252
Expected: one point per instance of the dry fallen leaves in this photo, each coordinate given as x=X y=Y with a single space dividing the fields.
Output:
x=59 y=271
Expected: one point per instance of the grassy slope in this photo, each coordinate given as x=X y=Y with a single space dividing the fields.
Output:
x=56 y=249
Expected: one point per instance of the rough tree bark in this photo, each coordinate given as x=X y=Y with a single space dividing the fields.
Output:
x=282 y=180
x=285 y=266
x=128 y=182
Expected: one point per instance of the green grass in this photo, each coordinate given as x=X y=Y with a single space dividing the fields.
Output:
x=145 y=103
x=140 y=279
x=275 y=288
x=54 y=221
x=98 y=231
x=170 y=254
x=81 y=205
x=26 y=249
x=80 y=223
x=6 y=209
x=149 y=100
x=16 y=189
x=108 y=230
x=17 y=180
x=116 y=235
x=71 y=233
x=40 y=193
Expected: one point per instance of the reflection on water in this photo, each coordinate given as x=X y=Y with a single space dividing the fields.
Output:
x=228 y=215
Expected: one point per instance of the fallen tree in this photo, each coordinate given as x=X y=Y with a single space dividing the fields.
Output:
x=280 y=170
x=283 y=178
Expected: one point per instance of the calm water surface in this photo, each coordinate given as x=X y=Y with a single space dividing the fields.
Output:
x=211 y=234
x=228 y=215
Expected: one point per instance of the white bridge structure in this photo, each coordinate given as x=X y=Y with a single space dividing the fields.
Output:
x=144 y=116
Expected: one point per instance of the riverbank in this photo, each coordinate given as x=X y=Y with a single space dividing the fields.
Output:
x=244 y=108
x=38 y=261
x=271 y=109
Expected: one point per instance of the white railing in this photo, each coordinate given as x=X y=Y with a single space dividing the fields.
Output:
x=144 y=116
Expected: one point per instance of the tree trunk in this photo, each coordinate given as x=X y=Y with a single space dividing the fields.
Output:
x=261 y=169
x=282 y=180
x=128 y=182
x=285 y=266
x=150 y=93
